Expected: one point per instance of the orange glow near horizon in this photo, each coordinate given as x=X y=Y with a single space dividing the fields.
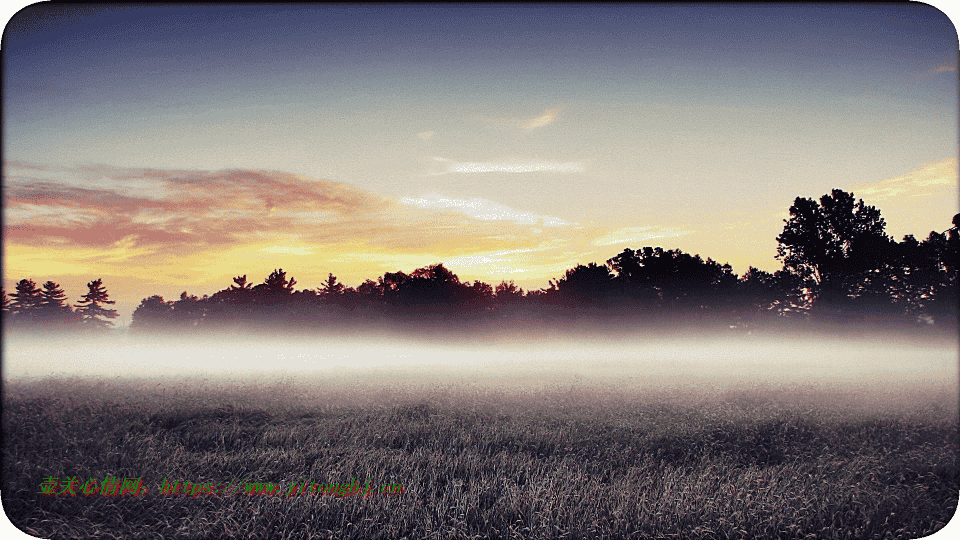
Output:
x=197 y=240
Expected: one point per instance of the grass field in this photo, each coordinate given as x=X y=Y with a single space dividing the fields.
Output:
x=557 y=460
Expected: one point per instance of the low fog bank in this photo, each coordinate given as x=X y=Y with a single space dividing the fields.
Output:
x=703 y=361
x=500 y=391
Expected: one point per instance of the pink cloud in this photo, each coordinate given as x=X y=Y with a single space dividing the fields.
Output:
x=164 y=211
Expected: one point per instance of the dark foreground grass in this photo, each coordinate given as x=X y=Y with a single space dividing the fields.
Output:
x=561 y=462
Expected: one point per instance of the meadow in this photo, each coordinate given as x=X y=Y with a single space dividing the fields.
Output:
x=539 y=458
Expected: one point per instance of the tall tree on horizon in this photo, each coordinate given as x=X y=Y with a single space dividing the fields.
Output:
x=273 y=298
x=91 y=310
x=241 y=284
x=53 y=305
x=331 y=288
x=837 y=247
x=227 y=306
x=277 y=284
x=26 y=302
x=432 y=287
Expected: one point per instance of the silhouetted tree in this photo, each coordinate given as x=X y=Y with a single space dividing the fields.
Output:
x=585 y=286
x=389 y=285
x=303 y=308
x=940 y=257
x=53 y=307
x=349 y=299
x=91 y=309
x=508 y=294
x=368 y=288
x=240 y=284
x=637 y=285
x=948 y=302
x=153 y=313
x=756 y=296
x=232 y=305
x=790 y=286
x=673 y=279
x=188 y=311
x=479 y=295
x=368 y=293
x=25 y=307
x=277 y=284
x=273 y=296
x=837 y=248
x=762 y=297
x=331 y=288
x=431 y=287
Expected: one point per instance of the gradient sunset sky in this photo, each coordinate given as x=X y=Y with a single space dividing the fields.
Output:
x=170 y=148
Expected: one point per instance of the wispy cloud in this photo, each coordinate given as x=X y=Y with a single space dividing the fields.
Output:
x=483 y=209
x=498 y=262
x=166 y=216
x=544 y=119
x=120 y=190
x=17 y=164
x=287 y=250
x=917 y=202
x=173 y=210
x=451 y=166
x=930 y=72
x=637 y=235
x=934 y=179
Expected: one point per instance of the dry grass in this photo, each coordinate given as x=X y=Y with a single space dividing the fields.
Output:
x=477 y=462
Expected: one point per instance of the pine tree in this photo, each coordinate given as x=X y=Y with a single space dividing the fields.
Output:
x=278 y=284
x=53 y=306
x=331 y=287
x=91 y=310
x=26 y=302
x=241 y=284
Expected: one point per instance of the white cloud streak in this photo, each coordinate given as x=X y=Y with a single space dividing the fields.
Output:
x=636 y=235
x=288 y=250
x=483 y=209
x=481 y=167
x=935 y=178
x=544 y=119
x=498 y=263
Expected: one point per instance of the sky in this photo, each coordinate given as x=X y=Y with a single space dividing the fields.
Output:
x=168 y=148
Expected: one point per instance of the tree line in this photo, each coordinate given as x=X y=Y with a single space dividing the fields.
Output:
x=31 y=306
x=839 y=267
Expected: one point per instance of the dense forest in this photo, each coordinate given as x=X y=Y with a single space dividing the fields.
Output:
x=840 y=269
